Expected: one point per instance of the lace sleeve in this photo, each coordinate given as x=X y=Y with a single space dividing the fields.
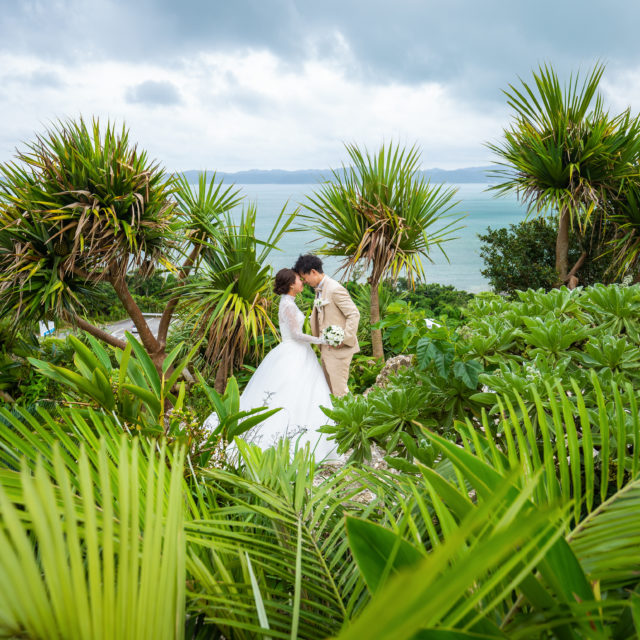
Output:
x=289 y=321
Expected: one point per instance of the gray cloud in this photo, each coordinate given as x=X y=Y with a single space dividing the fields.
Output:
x=333 y=59
x=475 y=47
x=153 y=93
x=479 y=43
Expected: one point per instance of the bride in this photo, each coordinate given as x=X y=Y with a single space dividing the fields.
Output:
x=291 y=378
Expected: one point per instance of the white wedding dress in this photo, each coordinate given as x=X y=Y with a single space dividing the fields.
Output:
x=291 y=378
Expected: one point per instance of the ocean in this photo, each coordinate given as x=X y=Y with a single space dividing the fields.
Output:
x=462 y=271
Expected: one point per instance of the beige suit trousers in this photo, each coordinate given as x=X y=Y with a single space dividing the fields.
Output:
x=336 y=370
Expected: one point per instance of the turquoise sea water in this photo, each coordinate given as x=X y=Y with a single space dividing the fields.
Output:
x=481 y=208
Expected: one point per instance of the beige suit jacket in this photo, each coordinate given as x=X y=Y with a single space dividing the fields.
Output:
x=340 y=310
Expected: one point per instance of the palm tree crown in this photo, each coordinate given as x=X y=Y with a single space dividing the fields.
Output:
x=564 y=151
x=381 y=213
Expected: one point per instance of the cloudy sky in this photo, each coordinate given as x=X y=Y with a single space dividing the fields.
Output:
x=244 y=84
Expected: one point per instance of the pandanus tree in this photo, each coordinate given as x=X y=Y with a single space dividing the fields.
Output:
x=564 y=152
x=82 y=205
x=625 y=216
x=229 y=302
x=382 y=214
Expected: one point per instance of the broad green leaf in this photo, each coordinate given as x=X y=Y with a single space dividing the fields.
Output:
x=379 y=552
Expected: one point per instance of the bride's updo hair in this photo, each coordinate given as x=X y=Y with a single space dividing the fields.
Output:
x=285 y=278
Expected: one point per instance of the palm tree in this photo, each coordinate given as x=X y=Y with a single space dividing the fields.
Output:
x=231 y=296
x=565 y=152
x=381 y=214
x=82 y=205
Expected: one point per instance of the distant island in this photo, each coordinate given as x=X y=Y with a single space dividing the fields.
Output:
x=314 y=176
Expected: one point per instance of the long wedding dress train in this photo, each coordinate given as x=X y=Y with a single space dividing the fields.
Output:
x=289 y=377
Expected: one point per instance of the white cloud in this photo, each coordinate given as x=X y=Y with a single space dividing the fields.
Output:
x=247 y=110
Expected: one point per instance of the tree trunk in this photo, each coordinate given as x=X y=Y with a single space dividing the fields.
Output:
x=562 y=246
x=374 y=317
x=101 y=334
x=220 y=383
x=167 y=314
x=133 y=310
x=572 y=280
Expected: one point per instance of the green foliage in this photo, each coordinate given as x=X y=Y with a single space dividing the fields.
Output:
x=363 y=372
x=231 y=422
x=514 y=348
x=439 y=299
x=522 y=256
x=557 y=336
x=403 y=326
x=88 y=202
x=563 y=150
x=379 y=552
x=93 y=543
x=132 y=388
x=383 y=417
x=268 y=550
x=490 y=539
x=439 y=390
x=18 y=380
x=522 y=477
x=231 y=297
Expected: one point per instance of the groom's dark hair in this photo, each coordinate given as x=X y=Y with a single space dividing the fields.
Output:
x=304 y=264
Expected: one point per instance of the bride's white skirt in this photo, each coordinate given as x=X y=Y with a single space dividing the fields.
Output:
x=289 y=377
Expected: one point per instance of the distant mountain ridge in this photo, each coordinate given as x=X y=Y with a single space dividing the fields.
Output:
x=313 y=176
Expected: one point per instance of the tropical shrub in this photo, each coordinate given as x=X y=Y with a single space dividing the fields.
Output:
x=505 y=348
x=435 y=393
x=542 y=338
x=502 y=537
x=92 y=533
x=228 y=304
x=519 y=564
x=439 y=299
x=19 y=382
x=522 y=256
x=564 y=152
x=363 y=372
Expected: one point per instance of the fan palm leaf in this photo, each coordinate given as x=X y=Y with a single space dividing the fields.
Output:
x=272 y=556
x=583 y=458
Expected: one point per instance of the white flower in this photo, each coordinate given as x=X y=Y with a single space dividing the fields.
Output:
x=333 y=335
x=318 y=303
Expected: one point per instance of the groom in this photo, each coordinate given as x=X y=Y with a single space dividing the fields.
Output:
x=332 y=306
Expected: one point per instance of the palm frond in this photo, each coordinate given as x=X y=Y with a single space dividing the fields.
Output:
x=381 y=213
x=95 y=553
x=275 y=536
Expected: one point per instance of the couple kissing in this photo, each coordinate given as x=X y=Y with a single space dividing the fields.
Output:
x=290 y=378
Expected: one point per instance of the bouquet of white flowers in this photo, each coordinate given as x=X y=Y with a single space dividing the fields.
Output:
x=333 y=335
